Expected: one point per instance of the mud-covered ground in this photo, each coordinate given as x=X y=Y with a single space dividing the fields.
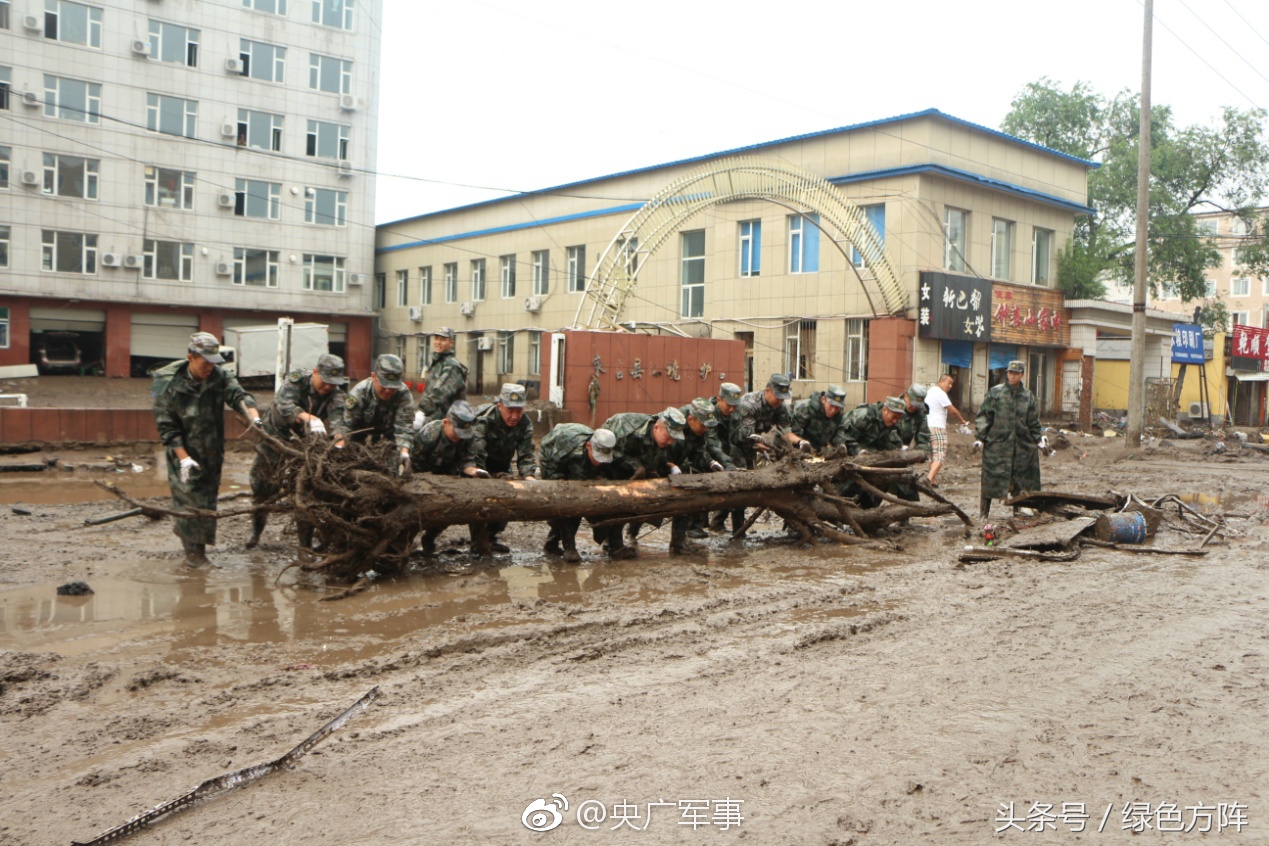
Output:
x=819 y=696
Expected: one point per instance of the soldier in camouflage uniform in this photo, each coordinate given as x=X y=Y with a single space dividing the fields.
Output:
x=818 y=418
x=573 y=452
x=446 y=376
x=1009 y=434
x=502 y=432
x=308 y=403
x=872 y=427
x=189 y=401
x=914 y=431
x=720 y=443
x=380 y=408
x=647 y=446
x=761 y=412
x=443 y=448
x=702 y=451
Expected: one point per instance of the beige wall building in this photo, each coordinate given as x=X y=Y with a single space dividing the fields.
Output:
x=967 y=203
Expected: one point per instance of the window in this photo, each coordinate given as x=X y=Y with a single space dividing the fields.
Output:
x=506 y=352
x=260 y=130
x=327 y=140
x=1240 y=287
x=170 y=189
x=542 y=272
x=856 y=350
x=326 y=73
x=508 y=276
x=876 y=215
x=4 y=310
x=1207 y=227
x=71 y=99
x=262 y=61
x=5 y=153
x=72 y=23
x=403 y=287
x=4 y=254
x=425 y=285
x=477 y=279
x=451 y=282
x=804 y=243
x=799 y=350
x=171 y=115
x=955 y=222
x=175 y=44
x=258 y=268
x=4 y=15
x=168 y=260
x=1241 y=318
x=381 y=290
x=324 y=273
x=1264 y=283
x=325 y=207
x=750 y=247
x=257 y=199
x=6 y=82
x=535 y=353
x=692 y=273
x=1209 y=288
x=273 y=7
x=69 y=252
x=70 y=176
x=628 y=250
x=1041 y=256
x=1001 y=248
x=576 y=269
x=336 y=13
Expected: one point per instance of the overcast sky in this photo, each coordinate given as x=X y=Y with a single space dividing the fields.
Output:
x=484 y=97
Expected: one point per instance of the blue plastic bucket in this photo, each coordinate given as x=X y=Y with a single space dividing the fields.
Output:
x=1125 y=527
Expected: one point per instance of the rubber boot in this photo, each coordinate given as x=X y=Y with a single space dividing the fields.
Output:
x=480 y=544
x=718 y=523
x=737 y=521
x=553 y=537
x=429 y=542
x=679 y=544
x=304 y=536
x=984 y=506
x=258 y=521
x=617 y=549
x=632 y=533
x=195 y=553
x=569 y=539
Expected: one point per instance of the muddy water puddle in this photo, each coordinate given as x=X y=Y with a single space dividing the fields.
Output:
x=71 y=482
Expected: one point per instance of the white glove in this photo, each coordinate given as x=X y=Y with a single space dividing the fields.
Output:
x=404 y=467
x=257 y=421
x=1044 y=442
x=477 y=473
x=965 y=430
x=188 y=467
x=316 y=426
x=418 y=420
x=805 y=445
x=862 y=452
x=674 y=469
x=978 y=444
x=902 y=448
x=716 y=466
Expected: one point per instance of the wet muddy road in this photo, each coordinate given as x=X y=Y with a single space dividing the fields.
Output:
x=759 y=692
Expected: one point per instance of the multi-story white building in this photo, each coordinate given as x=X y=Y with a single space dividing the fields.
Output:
x=170 y=166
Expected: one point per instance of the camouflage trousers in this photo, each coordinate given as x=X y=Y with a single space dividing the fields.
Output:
x=200 y=492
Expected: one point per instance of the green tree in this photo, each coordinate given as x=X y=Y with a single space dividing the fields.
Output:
x=1192 y=169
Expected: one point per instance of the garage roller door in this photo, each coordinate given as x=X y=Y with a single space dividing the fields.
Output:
x=162 y=335
x=68 y=320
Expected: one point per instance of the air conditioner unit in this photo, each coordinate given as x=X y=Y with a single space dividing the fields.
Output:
x=416 y=314
x=111 y=259
x=224 y=268
x=226 y=199
x=233 y=65
x=348 y=102
x=533 y=304
x=141 y=47
x=32 y=22
x=1198 y=411
x=133 y=262
x=30 y=98
x=467 y=309
x=357 y=279
x=229 y=129
x=30 y=177
x=484 y=344
x=345 y=168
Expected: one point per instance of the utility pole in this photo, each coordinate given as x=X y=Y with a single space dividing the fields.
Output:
x=1137 y=364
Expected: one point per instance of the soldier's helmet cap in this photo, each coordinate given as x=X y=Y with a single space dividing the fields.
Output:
x=206 y=345
x=780 y=384
x=601 y=445
x=703 y=410
x=331 y=369
x=836 y=396
x=674 y=421
x=444 y=332
x=917 y=391
x=461 y=416
x=513 y=395
x=1016 y=367
x=895 y=404
x=730 y=392
x=388 y=368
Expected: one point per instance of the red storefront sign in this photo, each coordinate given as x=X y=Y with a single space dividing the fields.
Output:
x=1250 y=342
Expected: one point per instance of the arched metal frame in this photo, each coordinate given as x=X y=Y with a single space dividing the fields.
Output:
x=617 y=271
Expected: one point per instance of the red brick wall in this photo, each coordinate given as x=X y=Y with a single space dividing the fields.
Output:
x=87 y=425
x=19 y=351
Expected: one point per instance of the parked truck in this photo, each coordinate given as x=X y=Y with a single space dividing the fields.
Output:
x=260 y=353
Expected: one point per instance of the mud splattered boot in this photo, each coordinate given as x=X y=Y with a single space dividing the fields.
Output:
x=679 y=544
x=195 y=553
x=258 y=522
x=738 y=521
x=632 y=533
x=304 y=536
x=718 y=523
x=569 y=539
x=429 y=543
x=984 y=506
x=552 y=545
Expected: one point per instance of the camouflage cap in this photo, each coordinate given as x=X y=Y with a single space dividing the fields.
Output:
x=513 y=395
x=916 y=392
x=601 y=445
x=703 y=410
x=730 y=393
x=1016 y=367
x=206 y=345
x=388 y=368
x=331 y=369
x=674 y=421
x=895 y=404
x=780 y=384
x=461 y=416
x=836 y=396
x=444 y=332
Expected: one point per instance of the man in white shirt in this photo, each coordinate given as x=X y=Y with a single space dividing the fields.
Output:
x=937 y=401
